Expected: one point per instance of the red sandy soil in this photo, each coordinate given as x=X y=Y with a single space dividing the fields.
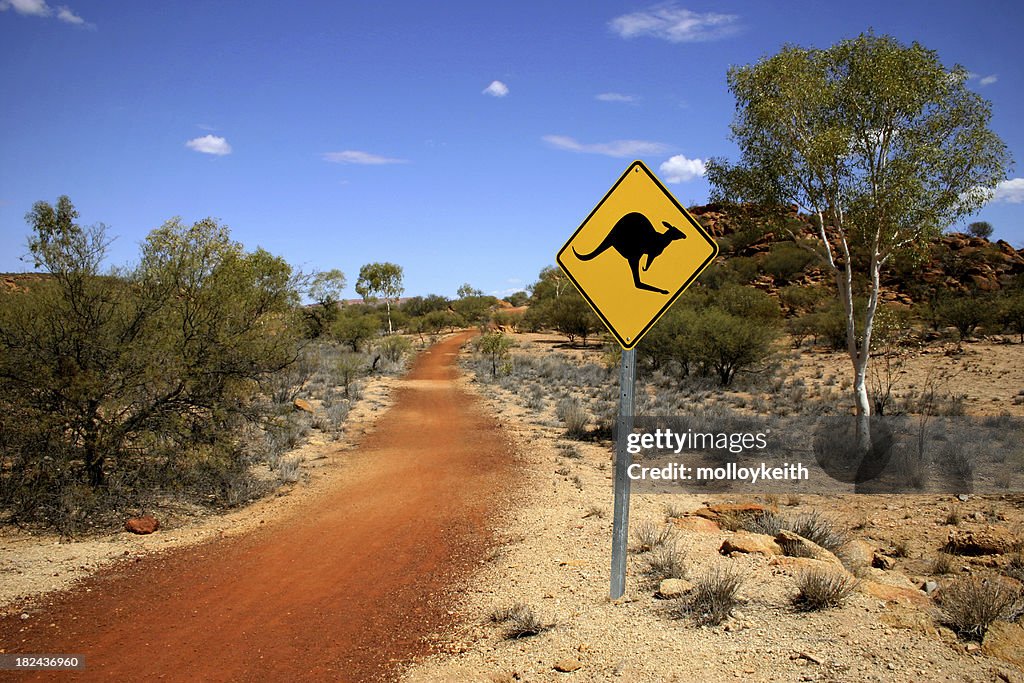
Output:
x=349 y=588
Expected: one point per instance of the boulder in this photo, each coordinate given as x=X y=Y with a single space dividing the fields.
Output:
x=1005 y=641
x=750 y=544
x=303 y=405
x=731 y=510
x=858 y=552
x=989 y=540
x=798 y=546
x=896 y=594
x=880 y=561
x=568 y=665
x=673 y=588
x=142 y=525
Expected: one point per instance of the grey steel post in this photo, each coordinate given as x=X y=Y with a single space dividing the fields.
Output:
x=620 y=521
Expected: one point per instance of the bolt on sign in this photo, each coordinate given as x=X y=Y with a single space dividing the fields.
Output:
x=635 y=253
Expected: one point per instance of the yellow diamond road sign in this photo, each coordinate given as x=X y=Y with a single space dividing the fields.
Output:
x=635 y=253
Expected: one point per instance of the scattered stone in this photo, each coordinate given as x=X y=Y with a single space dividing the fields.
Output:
x=303 y=405
x=990 y=540
x=795 y=565
x=963 y=497
x=673 y=588
x=1005 y=641
x=930 y=587
x=753 y=544
x=880 y=561
x=24 y=616
x=568 y=665
x=798 y=546
x=887 y=593
x=142 y=525
x=858 y=552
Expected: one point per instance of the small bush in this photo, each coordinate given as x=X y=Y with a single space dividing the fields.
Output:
x=521 y=621
x=822 y=588
x=971 y=604
x=819 y=529
x=715 y=595
x=288 y=471
x=574 y=415
x=666 y=562
x=649 y=536
x=942 y=564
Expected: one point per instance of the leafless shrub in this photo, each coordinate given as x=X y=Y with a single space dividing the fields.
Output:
x=715 y=595
x=822 y=588
x=571 y=412
x=971 y=604
x=666 y=562
x=289 y=470
x=942 y=564
x=595 y=511
x=649 y=536
x=521 y=621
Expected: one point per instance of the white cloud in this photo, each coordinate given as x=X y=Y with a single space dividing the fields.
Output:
x=1010 y=191
x=354 y=156
x=679 y=169
x=675 y=24
x=615 y=148
x=616 y=97
x=982 y=80
x=210 y=144
x=36 y=8
x=496 y=89
x=39 y=8
x=65 y=14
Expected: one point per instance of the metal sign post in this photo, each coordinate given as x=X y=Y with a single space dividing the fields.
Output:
x=637 y=222
x=620 y=520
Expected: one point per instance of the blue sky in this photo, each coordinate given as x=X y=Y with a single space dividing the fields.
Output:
x=464 y=141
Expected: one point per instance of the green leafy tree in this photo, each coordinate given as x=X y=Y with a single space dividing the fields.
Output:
x=980 y=229
x=383 y=280
x=137 y=373
x=879 y=142
x=325 y=289
x=495 y=346
x=355 y=326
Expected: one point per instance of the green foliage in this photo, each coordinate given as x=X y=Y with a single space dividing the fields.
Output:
x=394 y=347
x=355 y=326
x=980 y=229
x=882 y=178
x=786 y=262
x=1011 y=312
x=557 y=304
x=965 y=313
x=728 y=343
x=518 y=299
x=496 y=347
x=325 y=289
x=382 y=280
x=473 y=310
x=108 y=381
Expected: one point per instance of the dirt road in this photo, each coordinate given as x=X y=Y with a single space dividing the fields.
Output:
x=346 y=589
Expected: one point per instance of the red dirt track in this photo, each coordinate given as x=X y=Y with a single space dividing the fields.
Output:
x=348 y=588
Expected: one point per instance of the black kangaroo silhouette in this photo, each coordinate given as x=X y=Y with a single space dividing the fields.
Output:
x=633 y=236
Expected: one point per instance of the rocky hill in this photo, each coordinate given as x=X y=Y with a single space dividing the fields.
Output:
x=761 y=236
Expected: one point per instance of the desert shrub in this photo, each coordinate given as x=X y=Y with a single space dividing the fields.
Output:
x=666 y=561
x=137 y=374
x=942 y=564
x=715 y=594
x=521 y=621
x=495 y=346
x=786 y=261
x=965 y=313
x=819 y=529
x=980 y=229
x=822 y=588
x=972 y=603
x=394 y=347
x=727 y=344
x=356 y=325
x=574 y=415
x=289 y=470
x=647 y=536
